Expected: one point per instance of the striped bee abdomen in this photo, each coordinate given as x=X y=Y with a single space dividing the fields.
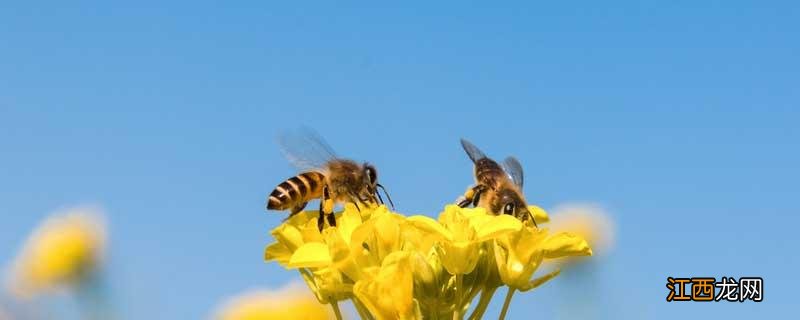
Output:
x=296 y=190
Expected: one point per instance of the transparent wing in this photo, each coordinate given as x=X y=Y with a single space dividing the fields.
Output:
x=305 y=149
x=473 y=152
x=513 y=168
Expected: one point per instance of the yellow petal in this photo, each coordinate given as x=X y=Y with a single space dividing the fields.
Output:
x=390 y=294
x=288 y=235
x=423 y=272
x=470 y=213
x=527 y=243
x=417 y=239
x=497 y=226
x=301 y=218
x=340 y=254
x=331 y=285
x=539 y=214
x=310 y=232
x=450 y=212
x=387 y=234
x=514 y=270
x=565 y=244
x=427 y=224
x=278 y=252
x=347 y=222
x=336 y=246
x=459 y=257
x=310 y=255
x=363 y=246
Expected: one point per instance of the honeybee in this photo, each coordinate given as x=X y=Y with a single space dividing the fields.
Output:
x=498 y=188
x=322 y=176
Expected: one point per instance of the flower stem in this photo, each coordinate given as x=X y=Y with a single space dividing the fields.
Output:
x=483 y=303
x=457 y=310
x=361 y=309
x=335 y=305
x=506 y=303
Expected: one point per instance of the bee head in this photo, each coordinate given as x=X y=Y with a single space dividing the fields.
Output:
x=371 y=180
x=370 y=175
x=511 y=202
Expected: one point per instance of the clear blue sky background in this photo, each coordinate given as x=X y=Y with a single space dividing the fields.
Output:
x=680 y=118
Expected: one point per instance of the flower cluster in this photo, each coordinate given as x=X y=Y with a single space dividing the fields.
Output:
x=397 y=267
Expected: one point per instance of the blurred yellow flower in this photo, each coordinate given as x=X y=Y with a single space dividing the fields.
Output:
x=63 y=251
x=290 y=302
x=588 y=221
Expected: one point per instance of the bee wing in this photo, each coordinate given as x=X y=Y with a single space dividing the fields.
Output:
x=473 y=152
x=513 y=168
x=305 y=149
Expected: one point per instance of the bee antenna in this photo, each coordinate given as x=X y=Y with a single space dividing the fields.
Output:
x=379 y=196
x=387 y=194
x=530 y=214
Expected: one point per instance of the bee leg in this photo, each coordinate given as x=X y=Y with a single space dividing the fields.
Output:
x=321 y=220
x=477 y=198
x=332 y=220
x=355 y=199
x=468 y=197
x=328 y=207
x=371 y=199
x=325 y=208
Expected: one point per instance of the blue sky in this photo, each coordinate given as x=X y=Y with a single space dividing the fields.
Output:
x=679 y=118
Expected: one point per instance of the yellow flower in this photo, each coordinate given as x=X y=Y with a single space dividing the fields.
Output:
x=461 y=230
x=388 y=293
x=63 y=251
x=519 y=254
x=286 y=303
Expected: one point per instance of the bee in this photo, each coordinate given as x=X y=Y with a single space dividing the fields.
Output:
x=498 y=188
x=323 y=176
